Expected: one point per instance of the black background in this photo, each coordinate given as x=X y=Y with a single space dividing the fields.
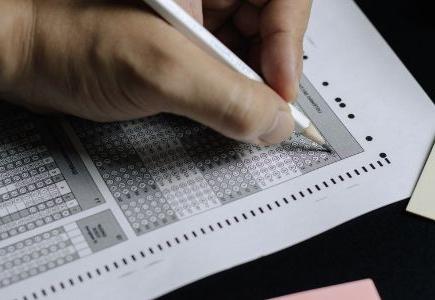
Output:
x=394 y=248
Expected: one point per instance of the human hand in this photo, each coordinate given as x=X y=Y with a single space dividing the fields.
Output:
x=116 y=60
x=268 y=34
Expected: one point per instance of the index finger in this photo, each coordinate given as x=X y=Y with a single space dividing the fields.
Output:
x=282 y=28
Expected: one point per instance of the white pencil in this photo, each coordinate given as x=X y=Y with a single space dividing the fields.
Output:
x=194 y=31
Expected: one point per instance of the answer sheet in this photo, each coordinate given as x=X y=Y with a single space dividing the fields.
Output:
x=136 y=209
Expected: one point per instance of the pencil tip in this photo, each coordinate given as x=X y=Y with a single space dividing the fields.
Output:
x=327 y=148
x=314 y=135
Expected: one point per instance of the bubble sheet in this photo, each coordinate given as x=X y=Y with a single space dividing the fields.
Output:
x=268 y=165
x=125 y=174
x=164 y=168
x=180 y=182
x=35 y=255
x=58 y=246
x=216 y=157
x=33 y=190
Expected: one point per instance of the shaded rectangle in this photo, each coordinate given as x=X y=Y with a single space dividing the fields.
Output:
x=101 y=231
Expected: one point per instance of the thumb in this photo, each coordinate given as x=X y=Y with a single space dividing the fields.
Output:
x=231 y=104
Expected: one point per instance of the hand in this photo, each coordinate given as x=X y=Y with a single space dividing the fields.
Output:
x=116 y=60
x=267 y=33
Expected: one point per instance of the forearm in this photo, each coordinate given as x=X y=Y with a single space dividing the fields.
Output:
x=15 y=41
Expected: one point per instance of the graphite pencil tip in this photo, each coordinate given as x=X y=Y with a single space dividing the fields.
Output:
x=327 y=148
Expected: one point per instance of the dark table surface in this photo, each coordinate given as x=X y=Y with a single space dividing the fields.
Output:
x=394 y=248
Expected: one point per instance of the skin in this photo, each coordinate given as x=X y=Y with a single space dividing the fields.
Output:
x=116 y=60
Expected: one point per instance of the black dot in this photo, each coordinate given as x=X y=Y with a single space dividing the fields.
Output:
x=369 y=138
x=305 y=57
x=325 y=83
x=351 y=116
x=342 y=105
x=337 y=99
x=383 y=155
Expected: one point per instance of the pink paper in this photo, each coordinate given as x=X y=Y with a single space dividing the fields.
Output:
x=357 y=290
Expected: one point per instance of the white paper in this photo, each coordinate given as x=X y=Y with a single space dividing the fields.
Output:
x=137 y=209
x=421 y=202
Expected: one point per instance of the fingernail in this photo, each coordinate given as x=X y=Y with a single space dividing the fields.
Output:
x=281 y=129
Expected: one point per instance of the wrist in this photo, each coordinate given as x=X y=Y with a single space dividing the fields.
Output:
x=16 y=23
